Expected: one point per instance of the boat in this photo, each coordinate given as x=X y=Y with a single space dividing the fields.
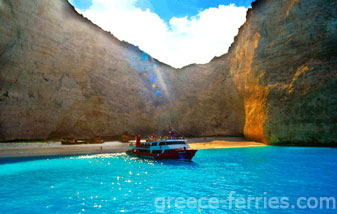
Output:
x=73 y=141
x=161 y=149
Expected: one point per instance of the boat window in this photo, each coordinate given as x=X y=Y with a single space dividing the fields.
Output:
x=170 y=143
x=178 y=142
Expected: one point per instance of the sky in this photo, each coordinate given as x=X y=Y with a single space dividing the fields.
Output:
x=176 y=32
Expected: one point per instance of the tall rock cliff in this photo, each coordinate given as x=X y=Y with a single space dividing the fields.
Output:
x=284 y=64
x=62 y=76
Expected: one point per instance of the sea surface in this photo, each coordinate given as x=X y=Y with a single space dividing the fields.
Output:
x=238 y=180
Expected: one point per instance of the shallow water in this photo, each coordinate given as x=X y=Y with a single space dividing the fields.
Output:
x=117 y=183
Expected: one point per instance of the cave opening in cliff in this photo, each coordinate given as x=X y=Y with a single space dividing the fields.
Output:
x=177 y=33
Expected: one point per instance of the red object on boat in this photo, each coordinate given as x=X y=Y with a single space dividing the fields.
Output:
x=138 y=141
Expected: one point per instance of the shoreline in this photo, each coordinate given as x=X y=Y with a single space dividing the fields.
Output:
x=222 y=143
x=35 y=149
x=56 y=148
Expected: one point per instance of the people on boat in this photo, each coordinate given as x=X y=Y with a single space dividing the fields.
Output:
x=168 y=149
x=171 y=132
x=138 y=141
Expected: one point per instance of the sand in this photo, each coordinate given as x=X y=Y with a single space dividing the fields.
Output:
x=219 y=143
x=56 y=148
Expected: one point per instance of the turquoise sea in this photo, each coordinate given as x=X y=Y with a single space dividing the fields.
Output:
x=241 y=180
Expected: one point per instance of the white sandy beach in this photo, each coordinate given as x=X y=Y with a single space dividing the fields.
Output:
x=221 y=142
x=56 y=148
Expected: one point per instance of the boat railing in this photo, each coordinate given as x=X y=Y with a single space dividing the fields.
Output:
x=166 y=138
x=157 y=141
x=142 y=145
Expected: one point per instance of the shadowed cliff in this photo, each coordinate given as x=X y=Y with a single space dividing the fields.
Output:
x=62 y=76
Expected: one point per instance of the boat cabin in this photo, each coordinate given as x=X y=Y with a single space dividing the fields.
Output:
x=160 y=146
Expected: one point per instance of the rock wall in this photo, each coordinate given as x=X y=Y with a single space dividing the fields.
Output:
x=62 y=76
x=284 y=64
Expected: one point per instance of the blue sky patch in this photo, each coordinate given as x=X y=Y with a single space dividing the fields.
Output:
x=166 y=9
x=81 y=4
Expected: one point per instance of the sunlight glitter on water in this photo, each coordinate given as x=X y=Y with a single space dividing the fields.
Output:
x=110 y=183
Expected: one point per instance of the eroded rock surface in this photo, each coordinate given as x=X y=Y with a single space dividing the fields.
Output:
x=284 y=65
x=62 y=76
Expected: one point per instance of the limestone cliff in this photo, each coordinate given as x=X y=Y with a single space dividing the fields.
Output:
x=284 y=66
x=62 y=76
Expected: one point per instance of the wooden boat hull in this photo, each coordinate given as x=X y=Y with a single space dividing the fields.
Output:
x=186 y=155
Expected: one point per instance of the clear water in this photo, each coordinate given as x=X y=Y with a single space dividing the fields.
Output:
x=117 y=183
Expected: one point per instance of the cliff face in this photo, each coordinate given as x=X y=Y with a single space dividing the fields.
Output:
x=284 y=65
x=62 y=76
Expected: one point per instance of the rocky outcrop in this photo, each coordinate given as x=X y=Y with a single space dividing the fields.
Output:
x=62 y=76
x=284 y=66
